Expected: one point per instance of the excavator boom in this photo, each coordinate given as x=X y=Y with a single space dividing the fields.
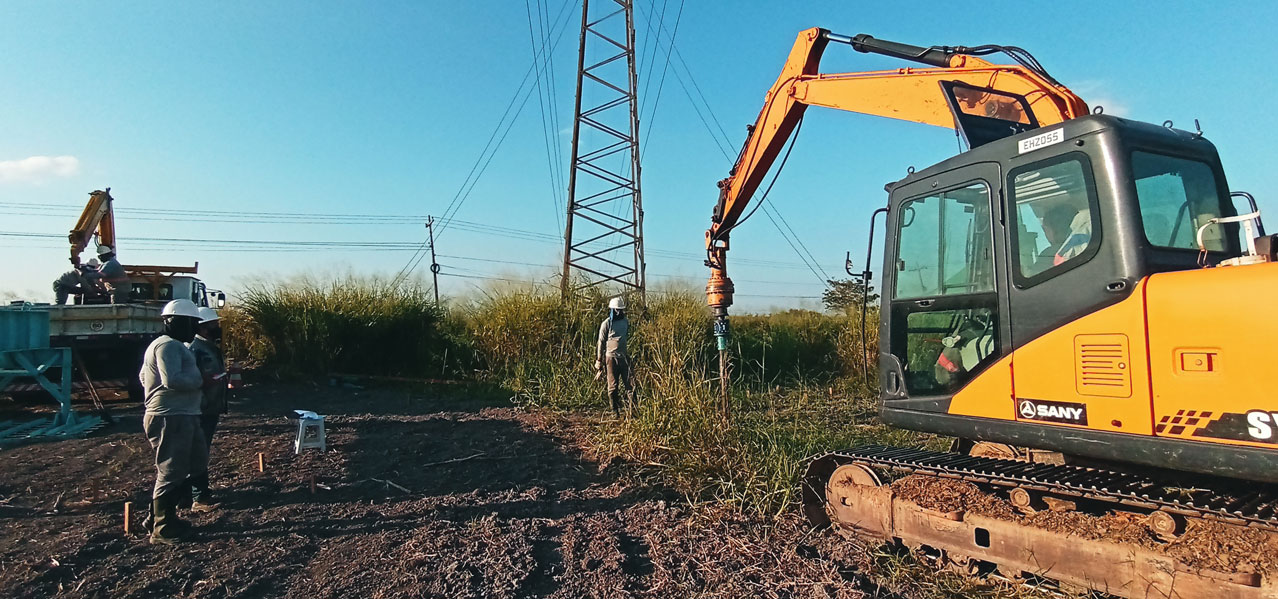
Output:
x=958 y=83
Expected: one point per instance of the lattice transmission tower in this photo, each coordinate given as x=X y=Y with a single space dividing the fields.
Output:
x=603 y=235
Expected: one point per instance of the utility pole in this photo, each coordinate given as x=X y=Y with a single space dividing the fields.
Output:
x=605 y=208
x=434 y=265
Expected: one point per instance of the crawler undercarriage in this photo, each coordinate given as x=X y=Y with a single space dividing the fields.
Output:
x=1129 y=535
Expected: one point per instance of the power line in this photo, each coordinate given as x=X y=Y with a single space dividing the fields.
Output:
x=464 y=193
x=543 y=101
x=415 y=220
x=488 y=277
x=485 y=156
x=792 y=239
x=554 y=106
x=655 y=42
x=661 y=83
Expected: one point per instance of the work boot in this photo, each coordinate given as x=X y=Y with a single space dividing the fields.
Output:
x=615 y=402
x=200 y=506
x=201 y=498
x=166 y=528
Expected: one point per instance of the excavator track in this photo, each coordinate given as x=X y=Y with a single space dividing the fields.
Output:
x=847 y=489
x=1249 y=504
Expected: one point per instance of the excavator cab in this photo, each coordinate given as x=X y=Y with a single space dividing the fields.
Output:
x=1046 y=288
x=1021 y=239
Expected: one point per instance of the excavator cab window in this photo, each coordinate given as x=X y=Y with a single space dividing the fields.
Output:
x=1054 y=216
x=983 y=115
x=944 y=303
x=1177 y=196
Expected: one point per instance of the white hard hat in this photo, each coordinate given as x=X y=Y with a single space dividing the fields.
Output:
x=181 y=307
x=104 y=250
x=93 y=262
x=617 y=303
x=207 y=314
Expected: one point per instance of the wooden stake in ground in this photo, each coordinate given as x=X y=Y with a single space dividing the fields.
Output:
x=312 y=484
x=261 y=462
x=128 y=508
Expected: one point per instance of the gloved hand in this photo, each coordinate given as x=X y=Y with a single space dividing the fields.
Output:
x=598 y=366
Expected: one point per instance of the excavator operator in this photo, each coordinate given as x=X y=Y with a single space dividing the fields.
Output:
x=1069 y=233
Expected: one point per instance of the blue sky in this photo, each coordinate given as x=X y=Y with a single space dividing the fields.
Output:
x=382 y=108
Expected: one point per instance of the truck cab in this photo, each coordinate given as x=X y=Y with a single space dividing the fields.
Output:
x=178 y=287
x=162 y=284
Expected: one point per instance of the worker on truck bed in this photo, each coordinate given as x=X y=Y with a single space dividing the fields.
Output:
x=611 y=358
x=81 y=280
x=96 y=293
x=113 y=275
x=172 y=383
x=208 y=357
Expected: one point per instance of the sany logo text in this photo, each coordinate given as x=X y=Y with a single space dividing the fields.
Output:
x=1030 y=410
x=1260 y=425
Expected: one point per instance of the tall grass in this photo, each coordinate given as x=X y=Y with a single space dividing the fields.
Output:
x=544 y=348
x=798 y=385
x=350 y=325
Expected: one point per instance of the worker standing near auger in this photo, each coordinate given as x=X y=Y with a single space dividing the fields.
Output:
x=172 y=383
x=208 y=358
x=113 y=276
x=611 y=358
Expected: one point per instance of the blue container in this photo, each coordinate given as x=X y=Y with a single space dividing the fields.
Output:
x=23 y=328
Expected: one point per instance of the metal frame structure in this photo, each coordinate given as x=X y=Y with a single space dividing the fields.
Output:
x=25 y=353
x=605 y=210
x=37 y=363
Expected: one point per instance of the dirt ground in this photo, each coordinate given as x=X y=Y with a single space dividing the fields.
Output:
x=422 y=493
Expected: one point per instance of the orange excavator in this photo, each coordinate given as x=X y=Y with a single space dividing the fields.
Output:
x=1065 y=298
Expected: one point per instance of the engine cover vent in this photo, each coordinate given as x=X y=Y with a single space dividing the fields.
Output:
x=1102 y=365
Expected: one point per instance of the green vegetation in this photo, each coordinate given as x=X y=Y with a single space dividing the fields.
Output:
x=799 y=384
x=348 y=325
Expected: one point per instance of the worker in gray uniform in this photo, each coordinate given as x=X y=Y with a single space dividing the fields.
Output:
x=114 y=278
x=73 y=282
x=208 y=357
x=172 y=383
x=611 y=358
x=95 y=293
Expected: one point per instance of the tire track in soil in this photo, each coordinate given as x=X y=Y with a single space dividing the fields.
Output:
x=500 y=503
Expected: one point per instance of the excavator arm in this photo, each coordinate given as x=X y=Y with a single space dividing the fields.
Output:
x=98 y=218
x=955 y=83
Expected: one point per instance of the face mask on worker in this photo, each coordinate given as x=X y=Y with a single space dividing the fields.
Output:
x=180 y=328
x=212 y=331
x=618 y=314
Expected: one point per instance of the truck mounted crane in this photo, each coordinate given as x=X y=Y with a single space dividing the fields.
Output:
x=1062 y=298
x=150 y=283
